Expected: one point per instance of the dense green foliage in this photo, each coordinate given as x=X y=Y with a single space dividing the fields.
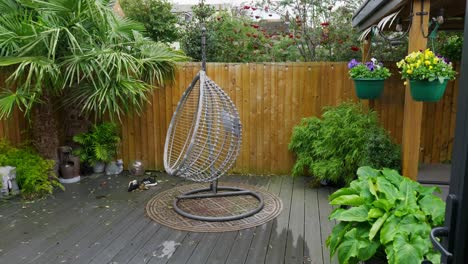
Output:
x=160 y=23
x=235 y=39
x=82 y=47
x=347 y=137
x=34 y=174
x=369 y=70
x=99 y=144
x=450 y=46
x=384 y=212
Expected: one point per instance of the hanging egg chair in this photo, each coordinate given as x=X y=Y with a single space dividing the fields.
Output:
x=203 y=142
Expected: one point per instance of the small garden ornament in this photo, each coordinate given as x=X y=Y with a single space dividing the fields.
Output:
x=428 y=75
x=368 y=78
x=9 y=185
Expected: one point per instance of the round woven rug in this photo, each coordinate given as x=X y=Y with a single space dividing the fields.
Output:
x=159 y=208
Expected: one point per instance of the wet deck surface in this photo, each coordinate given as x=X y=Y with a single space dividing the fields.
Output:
x=97 y=221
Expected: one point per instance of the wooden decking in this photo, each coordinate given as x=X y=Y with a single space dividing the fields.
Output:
x=97 y=221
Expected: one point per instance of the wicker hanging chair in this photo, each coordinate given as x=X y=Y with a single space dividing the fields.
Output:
x=203 y=142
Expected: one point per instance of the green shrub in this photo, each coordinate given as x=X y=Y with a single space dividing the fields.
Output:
x=347 y=137
x=34 y=175
x=99 y=144
x=385 y=213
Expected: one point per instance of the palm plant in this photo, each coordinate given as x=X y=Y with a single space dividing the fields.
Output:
x=101 y=60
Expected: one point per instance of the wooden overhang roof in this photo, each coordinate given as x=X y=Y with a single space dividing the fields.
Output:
x=372 y=11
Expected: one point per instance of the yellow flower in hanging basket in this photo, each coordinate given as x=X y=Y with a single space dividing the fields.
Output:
x=425 y=65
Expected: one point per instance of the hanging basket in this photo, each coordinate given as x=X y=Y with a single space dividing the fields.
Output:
x=369 y=88
x=426 y=91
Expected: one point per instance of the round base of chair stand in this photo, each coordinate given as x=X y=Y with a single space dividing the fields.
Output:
x=213 y=193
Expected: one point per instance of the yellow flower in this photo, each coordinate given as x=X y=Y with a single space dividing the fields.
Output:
x=405 y=83
x=409 y=71
x=430 y=67
x=427 y=62
x=436 y=60
x=428 y=52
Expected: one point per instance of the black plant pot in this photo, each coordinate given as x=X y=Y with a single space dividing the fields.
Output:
x=376 y=260
x=328 y=183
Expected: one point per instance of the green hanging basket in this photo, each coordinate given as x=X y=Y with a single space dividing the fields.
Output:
x=426 y=91
x=369 y=88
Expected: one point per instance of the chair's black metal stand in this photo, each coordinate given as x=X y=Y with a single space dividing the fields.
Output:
x=213 y=192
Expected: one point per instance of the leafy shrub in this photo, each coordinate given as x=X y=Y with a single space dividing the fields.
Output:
x=347 y=137
x=385 y=212
x=34 y=174
x=451 y=47
x=98 y=145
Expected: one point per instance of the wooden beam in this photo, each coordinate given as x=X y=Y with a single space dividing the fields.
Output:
x=366 y=56
x=412 y=120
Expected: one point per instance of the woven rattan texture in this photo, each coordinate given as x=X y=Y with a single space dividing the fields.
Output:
x=159 y=208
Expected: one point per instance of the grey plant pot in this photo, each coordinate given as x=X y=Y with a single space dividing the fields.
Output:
x=99 y=167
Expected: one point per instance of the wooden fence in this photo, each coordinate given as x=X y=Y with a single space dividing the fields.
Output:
x=272 y=98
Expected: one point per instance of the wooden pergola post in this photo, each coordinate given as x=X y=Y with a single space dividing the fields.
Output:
x=412 y=120
x=366 y=56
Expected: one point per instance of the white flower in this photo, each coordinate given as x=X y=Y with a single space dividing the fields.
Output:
x=374 y=61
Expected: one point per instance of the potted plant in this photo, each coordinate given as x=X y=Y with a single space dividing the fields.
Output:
x=98 y=146
x=428 y=75
x=368 y=78
x=384 y=214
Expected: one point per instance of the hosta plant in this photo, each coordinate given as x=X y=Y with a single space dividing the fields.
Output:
x=382 y=211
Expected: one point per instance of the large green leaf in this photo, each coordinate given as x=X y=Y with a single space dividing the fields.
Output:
x=342 y=191
x=374 y=213
x=383 y=204
x=353 y=200
x=388 y=189
x=336 y=236
x=347 y=252
x=367 y=172
x=389 y=229
x=372 y=187
x=434 y=207
x=406 y=252
x=377 y=225
x=392 y=176
x=353 y=214
x=433 y=257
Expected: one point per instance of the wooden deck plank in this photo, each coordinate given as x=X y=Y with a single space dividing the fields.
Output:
x=312 y=238
x=295 y=238
x=240 y=248
x=277 y=243
x=258 y=247
x=326 y=226
x=187 y=248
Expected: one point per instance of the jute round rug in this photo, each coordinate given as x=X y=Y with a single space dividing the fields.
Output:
x=159 y=208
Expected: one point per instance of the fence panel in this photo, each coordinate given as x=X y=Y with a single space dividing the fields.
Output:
x=272 y=98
